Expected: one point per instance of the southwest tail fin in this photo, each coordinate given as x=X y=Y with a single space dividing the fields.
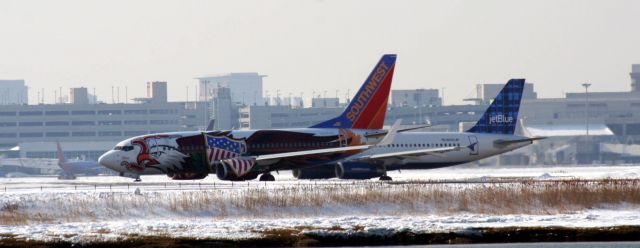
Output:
x=368 y=107
x=60 y=154
x=502 y=115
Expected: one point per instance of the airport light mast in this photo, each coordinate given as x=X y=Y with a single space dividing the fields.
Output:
x=586 y=120
x=586 y=109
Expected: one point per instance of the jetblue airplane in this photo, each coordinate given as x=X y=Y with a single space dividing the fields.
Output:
x=493 y=134
x=245 y=154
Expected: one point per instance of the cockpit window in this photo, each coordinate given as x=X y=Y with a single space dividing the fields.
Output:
x=123 y=148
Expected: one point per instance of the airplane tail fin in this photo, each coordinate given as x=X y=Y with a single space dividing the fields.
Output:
x=60 y=154
x=369 y=106
x=502 y=115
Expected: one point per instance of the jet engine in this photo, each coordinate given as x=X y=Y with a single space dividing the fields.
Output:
x=187 y=176
x=318 y=172
x=224 y=172
x=355 y=170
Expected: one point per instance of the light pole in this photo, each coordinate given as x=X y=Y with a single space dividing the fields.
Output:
x=586 y=108
x=586 y=120
x=205 y=106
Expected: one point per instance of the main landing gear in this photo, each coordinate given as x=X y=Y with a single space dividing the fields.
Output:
x=266 y=177
x=136 y=177
x=66 y=177
x=385 y=178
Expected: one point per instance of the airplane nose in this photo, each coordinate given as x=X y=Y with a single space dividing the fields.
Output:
x=107 y=160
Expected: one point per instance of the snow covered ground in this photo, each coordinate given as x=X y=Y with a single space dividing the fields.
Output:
x=108 y=208
x=367 y=225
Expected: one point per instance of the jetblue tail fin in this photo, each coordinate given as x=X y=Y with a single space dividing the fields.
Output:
x=369 y=106
x=502 y=115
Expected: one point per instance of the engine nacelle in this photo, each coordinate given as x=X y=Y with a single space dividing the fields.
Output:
x=318 y=172
x=187 y=176
x=224 y=172
x=354 y=170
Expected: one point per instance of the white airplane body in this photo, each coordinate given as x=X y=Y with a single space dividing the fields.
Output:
x=492 y=135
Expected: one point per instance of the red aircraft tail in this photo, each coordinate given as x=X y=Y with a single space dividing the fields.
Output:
x=60 y=155
x=368 y=107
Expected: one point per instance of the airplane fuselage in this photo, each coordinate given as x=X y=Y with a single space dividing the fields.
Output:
x=471 y=147
x=197 y=153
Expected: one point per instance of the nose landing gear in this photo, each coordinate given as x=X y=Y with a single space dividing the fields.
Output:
x=385 y=178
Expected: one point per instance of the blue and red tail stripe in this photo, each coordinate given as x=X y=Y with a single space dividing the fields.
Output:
x=368 y=108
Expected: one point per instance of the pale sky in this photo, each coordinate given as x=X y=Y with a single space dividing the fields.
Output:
x=306 y=46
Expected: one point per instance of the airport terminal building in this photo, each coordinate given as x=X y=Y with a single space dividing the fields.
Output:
x=91 y=129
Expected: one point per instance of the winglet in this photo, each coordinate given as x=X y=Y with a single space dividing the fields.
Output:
x=391 y=135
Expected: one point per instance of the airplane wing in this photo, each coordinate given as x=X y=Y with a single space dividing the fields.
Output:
x=242 y=165
x=412 y=153
x=384 y=132
x=503 y=142
x=309 y=152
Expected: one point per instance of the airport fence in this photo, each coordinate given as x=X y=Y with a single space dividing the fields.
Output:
x=54 y=186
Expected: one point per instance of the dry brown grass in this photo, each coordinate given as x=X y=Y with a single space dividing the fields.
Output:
x=527 y=197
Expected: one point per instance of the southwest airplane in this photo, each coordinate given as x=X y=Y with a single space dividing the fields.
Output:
x=71 y=168
x=493 y=134
x=245 y=154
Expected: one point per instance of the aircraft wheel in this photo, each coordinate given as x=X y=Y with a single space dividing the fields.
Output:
x=385 y=178
x=138 y=180
x=267 y=177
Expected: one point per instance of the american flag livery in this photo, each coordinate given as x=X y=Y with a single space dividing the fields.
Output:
x=220 y=148
x=240 y=166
